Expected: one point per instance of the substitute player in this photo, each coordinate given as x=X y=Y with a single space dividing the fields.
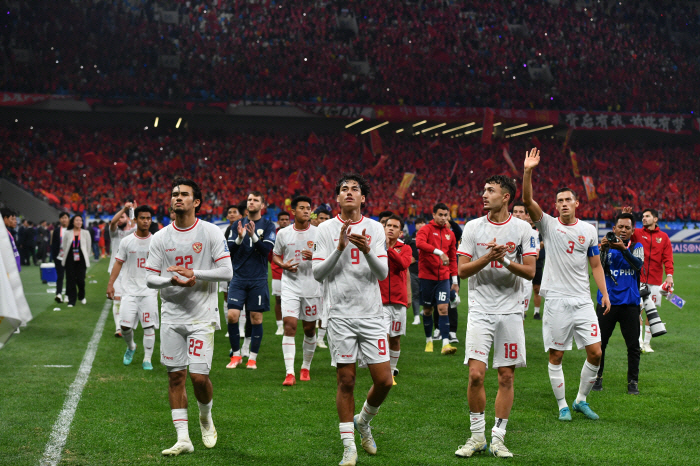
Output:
x=282 y=222
x=139 y=303
x=395 y=288
x=301 y=293
x=349 y=259
x=251 y=240
x=186 y=259
x=497 y=254
x=120 y=227
x=519 y=211
x=568 y=311
x=437 y=264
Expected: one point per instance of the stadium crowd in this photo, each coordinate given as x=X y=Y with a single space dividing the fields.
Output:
x=97 y=170
x=633 y=56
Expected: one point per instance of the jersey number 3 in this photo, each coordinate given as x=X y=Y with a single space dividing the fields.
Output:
x=571 y=247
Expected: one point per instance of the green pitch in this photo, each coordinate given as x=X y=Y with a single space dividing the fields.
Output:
x=123 y=416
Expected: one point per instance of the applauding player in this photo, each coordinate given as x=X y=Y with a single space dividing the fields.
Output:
x=301 y=293
x=497 y=253
x=186 y=260
x=349 y=259
x=139 y=303
x=568 y=311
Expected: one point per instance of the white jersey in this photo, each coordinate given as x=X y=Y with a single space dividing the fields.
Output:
x=527 y=284
x=132 y=253
x=115 y=238
x=494 y=289
x=289 y=245
x=196 y=248
x=568 y=249
x=351 y=290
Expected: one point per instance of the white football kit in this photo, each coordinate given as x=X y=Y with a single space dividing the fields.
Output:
x=139 y=303
x=568 y=309
x=496 y=294
x=115 y=238
x=352 y=299
x=301 y=293
x=189 y=316
x=527 y=284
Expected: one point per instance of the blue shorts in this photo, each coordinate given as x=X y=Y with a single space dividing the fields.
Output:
x=254 y=294
x=434 y=292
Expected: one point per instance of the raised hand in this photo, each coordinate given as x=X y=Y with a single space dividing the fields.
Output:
x=532 y=158
x=360 y=241
x=250 y=228
x=627 y=209
x=241 y=230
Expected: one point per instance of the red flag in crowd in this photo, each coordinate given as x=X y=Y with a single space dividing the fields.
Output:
x=452 y=173
x=590 y=188
x=380 y=164
x=405 y=184
x=434 y=144
x=313 y=139
x=367 y=156
x=506 y=156
x=536 y=142
x=574 y=164
x=674 y=188
x=631 y=192
x=566 y=140
x=465 y=152
x=488 y=127
x=376 y=143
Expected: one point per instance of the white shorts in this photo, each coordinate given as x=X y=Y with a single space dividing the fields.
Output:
x=565 y=318
x=182 y=345
x=504 y=332
x=135 y=309
x=395 y=319
x=655 y=295
x=276 y=287
x=223 y=287
x=118 y=287
x=527 y=295
x=348 y=336
x=306 y=309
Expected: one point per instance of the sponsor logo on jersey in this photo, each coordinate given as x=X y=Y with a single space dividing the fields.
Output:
x=581 y=239
x=658 y=240
x=510 y=246
x=197 y=247
x=170 y=250
x=436 y=234
x=310 y=245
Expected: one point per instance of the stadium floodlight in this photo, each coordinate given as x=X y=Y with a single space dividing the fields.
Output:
x=458 y=128
x=354 y=122
x=433 y=127
x=155 y=125
x=419 y=123
x=472 y=131
x=515 y=127
x=374 y=127
x=530 y=131
x=177 y=125
x=497 y=124
x=400 y=130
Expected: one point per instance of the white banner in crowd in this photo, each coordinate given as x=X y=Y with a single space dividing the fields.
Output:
x=14 y=310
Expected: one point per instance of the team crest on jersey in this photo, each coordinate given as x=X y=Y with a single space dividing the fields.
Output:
x=447 y=237
x=581 y=239
x=510 y=246
x=310 y=245
x=658 y=240
x=197 y=247
x=369 y=240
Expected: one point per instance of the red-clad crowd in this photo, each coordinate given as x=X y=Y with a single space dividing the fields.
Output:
x=619 y=56
x=98 y=170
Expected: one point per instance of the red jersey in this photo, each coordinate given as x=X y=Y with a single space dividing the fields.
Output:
x=432 y=237
x=394 y=287
x=658 y=254
x=276 y=269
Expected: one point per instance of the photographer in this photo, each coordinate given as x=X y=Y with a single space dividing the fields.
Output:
x=622 y=268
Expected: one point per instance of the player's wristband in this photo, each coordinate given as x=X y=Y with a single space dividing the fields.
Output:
x=254 y=238
x=437 y=252
x=454 y=280
x=505 y=262
x=239 y=240
x=669 y=275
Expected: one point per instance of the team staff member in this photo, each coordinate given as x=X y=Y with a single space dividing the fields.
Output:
x=658 y=255
x=77 y=247
x=56 y=241
x=622 y=283
x=437 y=266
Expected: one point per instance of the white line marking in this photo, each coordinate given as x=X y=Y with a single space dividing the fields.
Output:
x=54 y=365
x=59 y=434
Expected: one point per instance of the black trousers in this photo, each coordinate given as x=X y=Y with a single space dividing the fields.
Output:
x=628 y=317
x=75 y=277
x=60 y=272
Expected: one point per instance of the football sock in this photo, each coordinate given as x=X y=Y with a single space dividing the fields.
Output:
x=309 y=349
x=556 y=378
x=641 y=334
x=180 y=421
x=234 y=336
x=289 y=349
x=128 y=336
x=394 y=359
x=246 y=346
x=368 y=412
x=241 y=324
x=347 y=434
x=444 y=323
x=478 y=425
x=149 y=340
x=205 y=413
x=253 y=356
x=256 y=338
x=279 y=324
x=537 y=310
x=499 y=429
x=428 y=325
x=647 y=334
x=248 y=328
x=115 y=312
x=589 y=372
x=321 y=333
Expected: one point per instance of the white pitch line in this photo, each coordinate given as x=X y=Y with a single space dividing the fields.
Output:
x=59 y=434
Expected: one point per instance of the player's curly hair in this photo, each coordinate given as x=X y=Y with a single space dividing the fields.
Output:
x=143 y=208
x=298 y=199
x=364 y=185
x=196 y=192
x=507 y=185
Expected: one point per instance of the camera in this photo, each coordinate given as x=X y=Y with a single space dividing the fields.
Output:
x=611 y=237
x=656 y=327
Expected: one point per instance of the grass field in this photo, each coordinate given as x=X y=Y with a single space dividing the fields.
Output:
x=123 y=416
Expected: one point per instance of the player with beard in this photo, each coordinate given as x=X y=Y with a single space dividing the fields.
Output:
x=120 y=227
x=186 y=259
x=349 y=259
